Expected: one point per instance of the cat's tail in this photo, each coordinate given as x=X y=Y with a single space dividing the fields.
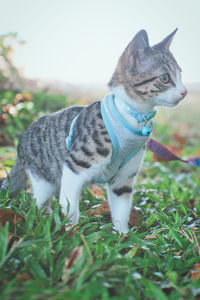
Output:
x=17 y=178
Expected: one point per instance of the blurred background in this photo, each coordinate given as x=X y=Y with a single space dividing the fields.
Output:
x=57 y=53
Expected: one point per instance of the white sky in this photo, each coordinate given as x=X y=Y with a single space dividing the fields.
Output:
x=80 y=41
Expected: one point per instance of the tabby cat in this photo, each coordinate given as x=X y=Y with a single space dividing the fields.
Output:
x=105 y=141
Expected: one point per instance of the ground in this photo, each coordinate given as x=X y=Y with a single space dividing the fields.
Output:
x=158 y=259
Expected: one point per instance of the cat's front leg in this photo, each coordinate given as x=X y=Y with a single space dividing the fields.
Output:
x=120 y=201
x=120 y=191
x=70 y=191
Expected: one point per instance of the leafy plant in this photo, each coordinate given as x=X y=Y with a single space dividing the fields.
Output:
x=19 y=110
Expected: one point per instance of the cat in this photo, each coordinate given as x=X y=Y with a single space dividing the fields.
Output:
x=104 y=141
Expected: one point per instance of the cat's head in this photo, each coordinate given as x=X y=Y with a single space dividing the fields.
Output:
x=149 y=75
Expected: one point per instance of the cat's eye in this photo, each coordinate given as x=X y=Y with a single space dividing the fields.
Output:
x=164 y=78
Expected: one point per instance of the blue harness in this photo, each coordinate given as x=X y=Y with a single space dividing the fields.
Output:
x=122 y=134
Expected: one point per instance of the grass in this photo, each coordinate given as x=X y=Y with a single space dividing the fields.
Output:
x=157 y=260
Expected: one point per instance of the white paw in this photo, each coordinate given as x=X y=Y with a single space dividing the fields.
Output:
x=121 y=229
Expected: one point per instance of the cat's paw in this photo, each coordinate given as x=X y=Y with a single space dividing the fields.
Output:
x=121 y=229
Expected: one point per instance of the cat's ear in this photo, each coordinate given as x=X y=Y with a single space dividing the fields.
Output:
x=165 y=44
x=137 y=48
x=139 y=44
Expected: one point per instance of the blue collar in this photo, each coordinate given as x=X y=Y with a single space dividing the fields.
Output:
x=140 y=117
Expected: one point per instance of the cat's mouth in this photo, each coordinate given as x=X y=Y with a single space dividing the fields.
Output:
x=171 y=104
x=175 y=102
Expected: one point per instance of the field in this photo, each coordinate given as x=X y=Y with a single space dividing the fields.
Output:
x=158 y=259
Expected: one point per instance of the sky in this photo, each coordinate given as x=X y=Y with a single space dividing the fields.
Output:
x=80 y=41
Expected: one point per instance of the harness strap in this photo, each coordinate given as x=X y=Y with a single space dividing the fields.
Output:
x=68 y=139
x=112 y=108
x=111 y=133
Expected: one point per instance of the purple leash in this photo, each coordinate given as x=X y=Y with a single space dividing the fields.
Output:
x=164 y=154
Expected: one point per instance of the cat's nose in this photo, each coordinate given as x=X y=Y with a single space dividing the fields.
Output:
x=184 y=93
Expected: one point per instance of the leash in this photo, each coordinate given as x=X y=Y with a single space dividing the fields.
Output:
x=166 y=155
